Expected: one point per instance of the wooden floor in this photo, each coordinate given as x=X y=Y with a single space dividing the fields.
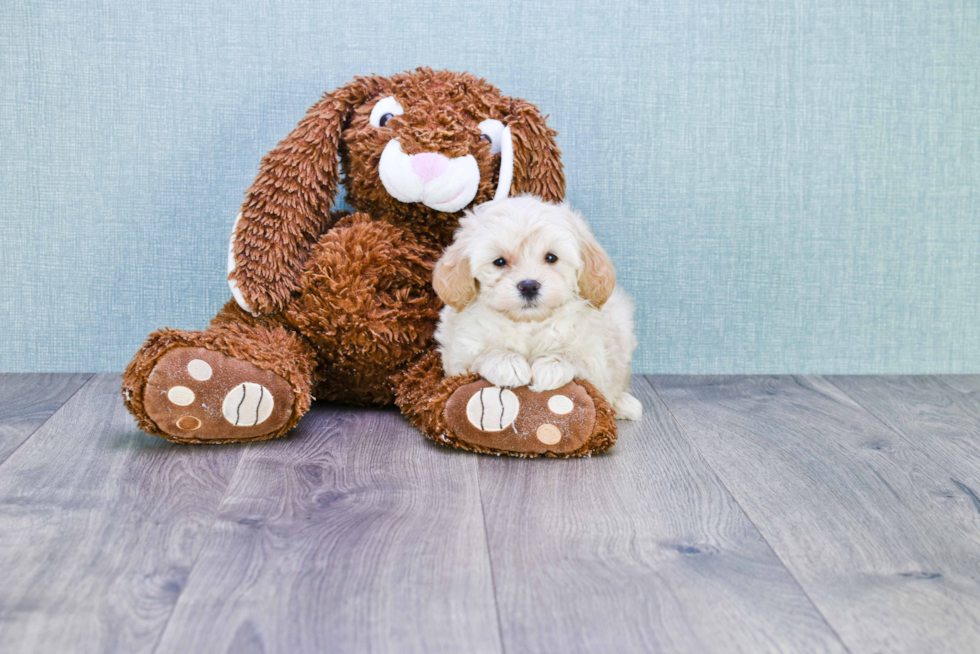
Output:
x=748 y=514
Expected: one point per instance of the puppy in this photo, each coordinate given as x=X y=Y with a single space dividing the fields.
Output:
x=531 y=299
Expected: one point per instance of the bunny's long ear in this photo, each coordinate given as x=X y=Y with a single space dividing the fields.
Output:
x=452 y=278
x=288 y=206
x=536 y=158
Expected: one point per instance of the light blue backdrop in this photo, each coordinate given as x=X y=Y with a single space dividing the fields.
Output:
x=784 y=186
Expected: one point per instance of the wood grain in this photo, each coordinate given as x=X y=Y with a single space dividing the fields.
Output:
x=99 y=527
x=875 y=531
x=27 y=400
x=781 y=514
x=942 y=423
x=354 y=535
x=965 y=384
x=638 y=550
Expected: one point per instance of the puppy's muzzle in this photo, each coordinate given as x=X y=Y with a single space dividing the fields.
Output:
x=529 y=289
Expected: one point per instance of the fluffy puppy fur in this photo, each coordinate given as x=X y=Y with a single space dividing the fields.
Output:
x=531 y=299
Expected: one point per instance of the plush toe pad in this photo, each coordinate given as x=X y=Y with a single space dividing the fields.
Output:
x=196 y=394
x=520 y=420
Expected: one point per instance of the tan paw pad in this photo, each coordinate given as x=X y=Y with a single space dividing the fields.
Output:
x=189 y=423
x=548 y=434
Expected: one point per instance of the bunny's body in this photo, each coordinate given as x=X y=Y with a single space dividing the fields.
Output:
x=340 y=306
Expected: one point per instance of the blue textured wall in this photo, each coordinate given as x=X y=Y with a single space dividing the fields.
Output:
x=784 y=186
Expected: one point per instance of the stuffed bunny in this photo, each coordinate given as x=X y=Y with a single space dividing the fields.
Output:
x=339 y=306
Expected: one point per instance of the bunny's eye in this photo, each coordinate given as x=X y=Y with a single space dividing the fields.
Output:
x=385 y=110
x=550 y=258
x=500 y=263
x=492 y=130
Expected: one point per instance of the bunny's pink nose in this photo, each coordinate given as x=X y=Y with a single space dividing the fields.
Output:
x=429 y=165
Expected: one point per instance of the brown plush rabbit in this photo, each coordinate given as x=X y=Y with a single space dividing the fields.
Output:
x=340 y=306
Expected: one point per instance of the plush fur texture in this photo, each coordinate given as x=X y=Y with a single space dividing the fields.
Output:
x=523 y=282
x=342 y=306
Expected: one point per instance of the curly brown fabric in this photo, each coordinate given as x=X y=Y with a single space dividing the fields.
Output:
x=346 y=310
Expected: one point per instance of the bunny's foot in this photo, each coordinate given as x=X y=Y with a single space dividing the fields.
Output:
x=472 y=414
x=221 y=385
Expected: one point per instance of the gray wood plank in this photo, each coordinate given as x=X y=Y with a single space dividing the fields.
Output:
x=27 y=400
x=942 y=423
x=874 y=530
x=965 y=384
x=354 y=535
x=641 y=549
x=99 y=527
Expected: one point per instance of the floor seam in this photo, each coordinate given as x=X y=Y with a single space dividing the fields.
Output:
x=486 y=540
x=741 y=508
x=204 y=542
x=14 y=451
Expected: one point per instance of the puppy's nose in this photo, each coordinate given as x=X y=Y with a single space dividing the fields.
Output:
x=429 y=165
x=528 y=288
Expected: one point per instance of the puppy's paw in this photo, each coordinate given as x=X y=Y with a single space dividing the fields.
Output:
x=549 y=373
x=507 y=370
x=627 y=407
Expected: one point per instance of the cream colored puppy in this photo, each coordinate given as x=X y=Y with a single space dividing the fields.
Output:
x=531 y=299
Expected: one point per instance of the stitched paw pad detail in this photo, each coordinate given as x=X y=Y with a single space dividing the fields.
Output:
x=247 y=405
x=492 y=409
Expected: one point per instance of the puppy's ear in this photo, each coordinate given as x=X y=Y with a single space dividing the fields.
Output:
x=288 y=206
x=537 y=159
x=452 y=278
x=597 y=280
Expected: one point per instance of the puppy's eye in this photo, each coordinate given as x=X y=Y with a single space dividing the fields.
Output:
x=385 y=110
x=500 y=263
x=550 y=258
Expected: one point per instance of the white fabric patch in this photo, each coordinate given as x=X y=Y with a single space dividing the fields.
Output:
x=449 y=192
x=232 y=282
x=560 y=404
x=492 y=409
x=231 y=244
x=506 y=165
x=180 y=395
x=247 y=405
x=199 y=370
